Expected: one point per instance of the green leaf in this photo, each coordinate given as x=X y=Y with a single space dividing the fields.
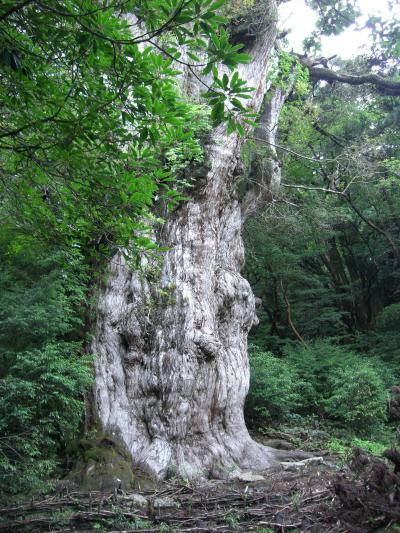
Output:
x=217 y=113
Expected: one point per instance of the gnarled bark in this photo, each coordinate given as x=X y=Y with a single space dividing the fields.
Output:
x=265 y=172
x=171 y=355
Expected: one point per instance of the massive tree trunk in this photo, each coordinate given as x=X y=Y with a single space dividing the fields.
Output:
x=171 y=365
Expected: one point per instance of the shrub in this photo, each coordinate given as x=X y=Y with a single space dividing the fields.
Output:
x=389 y=319
x=42 y=373
x=345 y=446
x=321 y=379
x=40 y=407
x=356 y=397
x=317 y=361
x=384 y=342
x=273 y=388
x=343 y=386
x=375 y=448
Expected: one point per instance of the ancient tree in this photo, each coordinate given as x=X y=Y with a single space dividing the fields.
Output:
x=171 y=349
x=171 y=343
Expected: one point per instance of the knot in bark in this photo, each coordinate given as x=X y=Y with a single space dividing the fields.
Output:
x=208 y=345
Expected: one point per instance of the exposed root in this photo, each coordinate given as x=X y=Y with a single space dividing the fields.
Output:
x=310 y=496
x=292 y=455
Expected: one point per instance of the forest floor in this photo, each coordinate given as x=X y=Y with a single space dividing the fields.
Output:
x=322 y=494
x=298 y=498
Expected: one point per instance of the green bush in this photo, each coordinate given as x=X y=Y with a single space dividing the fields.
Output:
x=345 y=446
x=322 y=379
x=42 y=373
x=273 y=388
x=342 y=385
x=40 y=407
x=384 y=342
x=317 y=361
x=389 y=319
x=357 y=397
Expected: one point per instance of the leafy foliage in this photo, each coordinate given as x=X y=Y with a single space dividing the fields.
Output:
x=345 y=446
x=389 y=318
x=92 y=110
x=274 y=388
x=335 y=15
x=359 y=399
x=43 y=373
x=321 y=380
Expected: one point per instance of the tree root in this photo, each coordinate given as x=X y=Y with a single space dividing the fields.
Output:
x=292 y=455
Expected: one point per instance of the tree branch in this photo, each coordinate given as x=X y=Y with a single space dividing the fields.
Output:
x=12 y=133
x=386 y=86
x=372 y=225
x=289 y=316
x=307 y=188
x=296 y=154
x=14 y=9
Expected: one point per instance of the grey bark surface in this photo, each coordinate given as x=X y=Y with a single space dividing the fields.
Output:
x=265 y=173
x=171 y=364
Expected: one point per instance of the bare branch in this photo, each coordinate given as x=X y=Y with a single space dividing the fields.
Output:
x=308 y=188
x=386 y=86
x=293 y=152
x=374 y=226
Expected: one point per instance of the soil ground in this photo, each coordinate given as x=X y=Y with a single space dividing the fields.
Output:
x=322 y=494
x=292 y=498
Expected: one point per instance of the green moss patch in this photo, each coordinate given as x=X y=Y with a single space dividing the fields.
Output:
x=101 y=464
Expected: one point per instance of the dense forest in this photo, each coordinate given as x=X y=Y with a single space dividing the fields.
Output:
x=200 y=267
x=327 y=270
